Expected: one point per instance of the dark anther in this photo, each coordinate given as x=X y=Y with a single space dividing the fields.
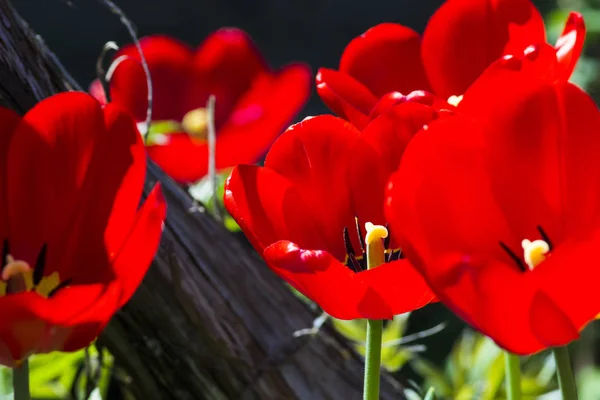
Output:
x=348 y=242
x=386 y=241
x=40 y=263
x=396 y=255
x=60 y=286
x=514 y=257
x=361 y=237
x=353 y=263
x=545 y=237
x=5 y=253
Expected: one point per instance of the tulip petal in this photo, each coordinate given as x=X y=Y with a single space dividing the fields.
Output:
x=315 y=155
x=268 y=208
x=399 y=285
x=10 y=121
x=326 y=281
x=377 y=154
x=464 y=37
x=570 y=44
x=60 y=134
x=182 y=157
x=169 y=62
x=345 y=96
x=262 y=114
x=224 y=65
x=111 y=194
x=386 y=58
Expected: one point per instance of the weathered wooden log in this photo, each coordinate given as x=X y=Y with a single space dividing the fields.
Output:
x=210 y=320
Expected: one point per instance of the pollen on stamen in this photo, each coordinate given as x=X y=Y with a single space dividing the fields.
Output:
x=534 y=252
x=195 y=122
x=375 y=232
x=14 y=267
x=455 y=100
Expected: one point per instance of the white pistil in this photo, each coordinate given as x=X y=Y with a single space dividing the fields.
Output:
x=13 y=267
x=455 y=100
x=534 y=252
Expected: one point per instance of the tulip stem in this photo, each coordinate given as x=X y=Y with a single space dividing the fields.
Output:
x=513 y=376
x=21 y=381
x=373 y=359
x=566 y=379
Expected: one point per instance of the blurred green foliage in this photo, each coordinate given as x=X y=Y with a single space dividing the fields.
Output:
x=55 y=376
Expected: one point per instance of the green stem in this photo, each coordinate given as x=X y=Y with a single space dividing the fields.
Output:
x=513 y=376
x=21 y=381
x=566 y=379
x=373 y=359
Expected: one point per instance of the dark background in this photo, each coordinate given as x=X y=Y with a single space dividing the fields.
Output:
x=313 y=31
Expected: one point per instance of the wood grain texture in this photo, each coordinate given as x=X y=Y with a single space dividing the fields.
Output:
x=210 y=320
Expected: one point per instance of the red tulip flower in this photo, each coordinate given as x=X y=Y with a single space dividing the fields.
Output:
x=304 y=212
x=460 y=41
x=254 y=104
x=74 y=244
x=499 y=207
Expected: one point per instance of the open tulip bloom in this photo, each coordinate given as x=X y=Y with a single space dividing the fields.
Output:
x=305 y=212
x=75 y=246
x=254 y=104
x=462 y=38
x=498 y=205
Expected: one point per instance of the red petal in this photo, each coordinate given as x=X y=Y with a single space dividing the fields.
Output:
x=262 y=114
x=268 y=208
x=49 y=157
x=97 y=91
x=377 y=155
x=464 y=37
x=169 y=61
x=326 y=281
x=570 y=44
x=106 y=216
x=386 y=58
x=418 y=96
x=551 y=326
x=9 y=120
x=345 y=96
x=314 y=157
x=134 y=257
x=225 y=65
x=399 y=285
x=86 y=326
x=182 y=157
x=544 y=128
x=33 y=324
x=440 y=200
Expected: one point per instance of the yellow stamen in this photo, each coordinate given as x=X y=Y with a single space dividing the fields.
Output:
x=20 y=270
x=14 y=267
x=455 y=100
x=534 y=252
x=374 y=242
x=48 y=284
x=195 y=123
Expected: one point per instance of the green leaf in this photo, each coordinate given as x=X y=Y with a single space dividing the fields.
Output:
x=202 y=191
x=430 y=394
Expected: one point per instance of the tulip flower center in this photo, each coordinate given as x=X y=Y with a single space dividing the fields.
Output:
x=455 y=100
x=534 y=252
x=18 y=276
x=374 y=247
x=195 y=123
